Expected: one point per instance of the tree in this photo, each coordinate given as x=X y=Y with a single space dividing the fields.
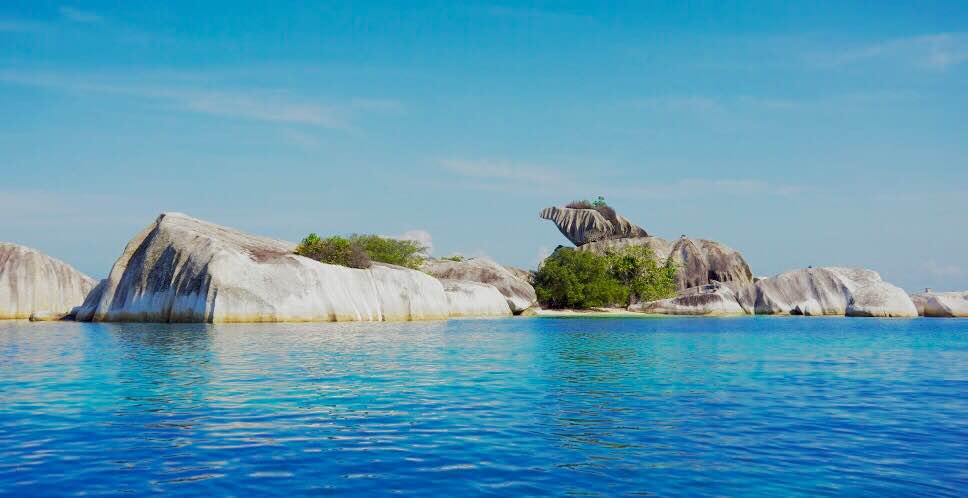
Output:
x=333 y=250
x=637 y=268
x=577 y=279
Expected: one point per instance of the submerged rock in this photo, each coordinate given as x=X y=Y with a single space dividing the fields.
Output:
x=180 y=269
x=519 y=293
x=826 y=291
x=582 y=226
x=466 y=298
x=34 y=283
x=712 y=300
x=941 y=304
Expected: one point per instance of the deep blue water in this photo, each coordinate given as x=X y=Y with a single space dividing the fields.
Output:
x=743 y=407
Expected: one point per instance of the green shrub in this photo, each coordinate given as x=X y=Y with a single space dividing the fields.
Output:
x=637 y=268
x=407 y=253
x=455 y=257
x=333 y=250
x=577 y=279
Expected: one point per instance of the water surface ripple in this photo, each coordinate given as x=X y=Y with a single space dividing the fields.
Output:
x=740 y=407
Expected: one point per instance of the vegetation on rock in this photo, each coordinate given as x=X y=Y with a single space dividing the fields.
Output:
x=580 y=279
x=358 y=251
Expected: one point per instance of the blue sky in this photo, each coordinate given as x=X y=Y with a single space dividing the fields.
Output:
x=815 y=133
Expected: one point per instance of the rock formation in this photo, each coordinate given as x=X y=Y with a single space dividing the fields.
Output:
x=714 y=299
x=941 y=304
x=32 y=283
x=826 y=291
x=519 y=293
x=582 y=226
x=466 y=298
x=180 y=269
x=700 y=261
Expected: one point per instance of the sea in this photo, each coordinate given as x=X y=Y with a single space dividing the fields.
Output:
x=746 y=406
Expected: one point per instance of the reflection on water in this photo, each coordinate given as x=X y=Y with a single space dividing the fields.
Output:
x=754 y=406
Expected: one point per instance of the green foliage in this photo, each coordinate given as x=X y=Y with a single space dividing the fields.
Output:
x=637 y=268
x=600 y=202
x=455 y=257
x=407 y=253
x=358 y=251
x=577 y=279
x=334 y=250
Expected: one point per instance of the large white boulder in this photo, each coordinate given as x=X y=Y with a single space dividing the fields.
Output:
x=582 y=226
x=469 y=299
x=941 y=304
x=180 y=269
x=519 y=293
x=34 y=283
x=826 y=291
x=708 y=300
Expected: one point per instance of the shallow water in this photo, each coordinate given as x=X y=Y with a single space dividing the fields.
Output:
x=744 y=406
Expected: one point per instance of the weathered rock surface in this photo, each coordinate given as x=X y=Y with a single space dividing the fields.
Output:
x=826 y=291
x=700 y=261
x=32 y=282
x=180 y=269
x=714 y=299
x=474 y=299
x=519 y=293
x=582 y=226
x=941 y=304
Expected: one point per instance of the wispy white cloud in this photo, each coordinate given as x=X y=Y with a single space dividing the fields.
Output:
x=419 y=236
x=932 y=51
x=942 y=270
x=509 y=177
x=266 y=106
x=78 y=15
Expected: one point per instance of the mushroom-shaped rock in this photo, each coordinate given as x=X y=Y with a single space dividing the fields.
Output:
x=519 y=293
x=34 y=283
x=826 y=291
x=582 y=226
x=714 y=299
x=941 y=304
x=469 y=299
x=180 y=269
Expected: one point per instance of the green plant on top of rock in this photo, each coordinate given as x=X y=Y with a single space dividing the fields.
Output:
x=455 y=257
x=359 y=251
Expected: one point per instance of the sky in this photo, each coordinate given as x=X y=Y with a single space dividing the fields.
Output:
x=799 y=133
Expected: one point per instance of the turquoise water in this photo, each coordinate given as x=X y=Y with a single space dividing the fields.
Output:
x=745 y=406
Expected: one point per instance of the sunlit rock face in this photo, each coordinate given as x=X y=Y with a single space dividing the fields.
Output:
x=826 y=291
x=474 y=299
x=941 y=304
x=708 y=300
x=180 y=269
x=32 y=283
x=582 y=226
x=518 y=292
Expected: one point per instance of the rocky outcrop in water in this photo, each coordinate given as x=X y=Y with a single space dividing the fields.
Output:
x=826 y=291
x=180 y=269
x=32 y=283
x=519 y=293
x=941 y=304
x=709 y=300
x=582 y=226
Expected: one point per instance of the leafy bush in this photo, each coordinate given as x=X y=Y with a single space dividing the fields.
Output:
x=637 y=268
x=407 y=253
x=577 y=279
x=581 y=279
x=334 y=250
x=582 y=204
x=358 y=251
x=455 y=257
